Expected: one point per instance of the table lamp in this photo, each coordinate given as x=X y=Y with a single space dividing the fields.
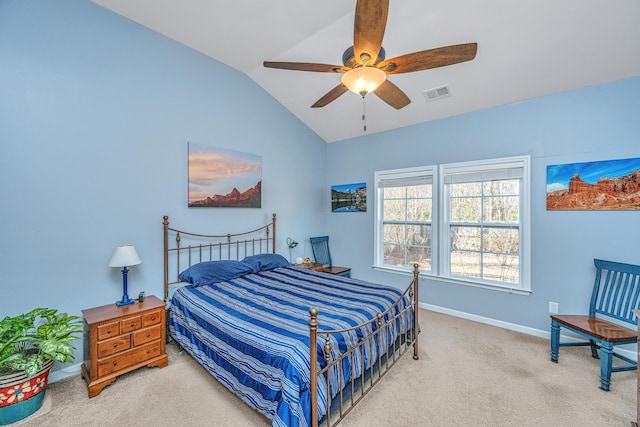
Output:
x=124 y=256
x=292 y=244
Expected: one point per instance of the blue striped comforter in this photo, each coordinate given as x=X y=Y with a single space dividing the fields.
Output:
x=251 y=333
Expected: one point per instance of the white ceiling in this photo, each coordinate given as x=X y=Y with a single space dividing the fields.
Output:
x=526 y=49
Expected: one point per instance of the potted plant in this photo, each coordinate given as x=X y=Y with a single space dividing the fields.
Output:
x=30 y=343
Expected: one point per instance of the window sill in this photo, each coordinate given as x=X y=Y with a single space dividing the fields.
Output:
x=457 y=281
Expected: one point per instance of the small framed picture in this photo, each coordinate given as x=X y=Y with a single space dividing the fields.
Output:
x=349 y=197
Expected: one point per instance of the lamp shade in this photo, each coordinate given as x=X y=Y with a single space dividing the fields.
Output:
x=124 y=256
x=363 y=80
x=291 y=243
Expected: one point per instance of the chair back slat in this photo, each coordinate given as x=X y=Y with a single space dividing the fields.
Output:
x=627 y=292
x=636 y=292
x=616 y=290
x=320 y=248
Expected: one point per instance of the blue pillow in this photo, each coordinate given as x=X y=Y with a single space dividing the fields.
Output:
x=209 y=272
x=266 y=261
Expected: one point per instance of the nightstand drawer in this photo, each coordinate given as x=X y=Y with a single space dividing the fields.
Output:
x=128 y=358
x=109 y=330
x=114 y=345
x=151 y=318
x=130 y=324
x=146 y=335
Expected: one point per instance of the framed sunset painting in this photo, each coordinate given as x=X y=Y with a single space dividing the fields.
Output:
x=223 y=178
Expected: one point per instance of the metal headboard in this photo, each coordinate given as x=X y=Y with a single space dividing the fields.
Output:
x=192 y=248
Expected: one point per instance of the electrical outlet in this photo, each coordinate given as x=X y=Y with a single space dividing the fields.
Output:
x=553 y=307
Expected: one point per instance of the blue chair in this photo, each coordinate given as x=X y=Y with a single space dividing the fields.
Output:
x=615 y=296
x=322 y=255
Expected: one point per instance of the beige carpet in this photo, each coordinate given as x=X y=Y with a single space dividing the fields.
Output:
x=469 y=374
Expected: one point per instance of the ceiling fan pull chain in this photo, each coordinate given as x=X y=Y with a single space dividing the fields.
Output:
x=364 y=113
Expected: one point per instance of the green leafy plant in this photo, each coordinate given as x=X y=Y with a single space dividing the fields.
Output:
x=29 y=340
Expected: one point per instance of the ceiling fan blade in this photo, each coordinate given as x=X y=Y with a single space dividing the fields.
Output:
x=368 y=29
x=392 y=95
x=428 y=59
x=307 y=66
x=331 y=96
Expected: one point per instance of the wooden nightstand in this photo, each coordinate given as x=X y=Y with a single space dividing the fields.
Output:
x=121 y=339
x=311 y=266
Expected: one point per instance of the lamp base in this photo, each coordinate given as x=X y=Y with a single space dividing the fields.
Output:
x=125 y=296
x=124 y=301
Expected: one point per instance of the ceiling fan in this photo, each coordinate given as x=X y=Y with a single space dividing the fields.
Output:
x=365 y=69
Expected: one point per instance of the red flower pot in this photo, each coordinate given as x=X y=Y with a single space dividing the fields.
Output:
x=21 y=396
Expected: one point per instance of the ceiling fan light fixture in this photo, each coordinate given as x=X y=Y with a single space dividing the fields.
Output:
x=363 y=80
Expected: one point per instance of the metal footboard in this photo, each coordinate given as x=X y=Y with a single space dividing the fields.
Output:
x=393 y=334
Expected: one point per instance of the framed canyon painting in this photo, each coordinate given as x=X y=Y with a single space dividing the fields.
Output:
x=602 y=185
x=221 y=178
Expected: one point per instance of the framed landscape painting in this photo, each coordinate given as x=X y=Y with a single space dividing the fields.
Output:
x=602 y=185
x=221 y=178
x=349 y=197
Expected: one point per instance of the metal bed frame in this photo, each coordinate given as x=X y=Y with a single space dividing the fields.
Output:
x=391 y=348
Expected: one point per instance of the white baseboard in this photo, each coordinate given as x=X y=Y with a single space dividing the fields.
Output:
x=630 y=353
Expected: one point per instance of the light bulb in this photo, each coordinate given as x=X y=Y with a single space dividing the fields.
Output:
x=363 y=80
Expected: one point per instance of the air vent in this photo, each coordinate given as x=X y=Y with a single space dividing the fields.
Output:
x=437 y=93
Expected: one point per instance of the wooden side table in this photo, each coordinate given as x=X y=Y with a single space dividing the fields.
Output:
x=121 y=339
x=310 y=265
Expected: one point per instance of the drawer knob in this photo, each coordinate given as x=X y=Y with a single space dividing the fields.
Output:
x=148 y=351
x=108 y=331
x=153 y=317
x=133 y=324
x=115 y=345
x=115 y=363
x=148 y=334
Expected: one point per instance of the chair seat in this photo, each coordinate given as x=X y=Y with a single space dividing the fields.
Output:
x=599 y=328
x=336 y=270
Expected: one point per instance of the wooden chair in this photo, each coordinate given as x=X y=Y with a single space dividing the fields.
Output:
x=615 y=296
x=322 y=255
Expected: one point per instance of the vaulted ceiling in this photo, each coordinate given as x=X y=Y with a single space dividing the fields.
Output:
x=526 y=49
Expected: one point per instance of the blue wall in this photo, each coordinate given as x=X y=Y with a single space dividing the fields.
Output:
x=95 y=115
x=596 y=123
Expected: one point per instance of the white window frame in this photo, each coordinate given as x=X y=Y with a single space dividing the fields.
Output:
x=402 y=174
x=440 y=220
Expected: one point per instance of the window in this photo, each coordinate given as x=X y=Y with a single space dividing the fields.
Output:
x=406 y=218
x=473 y=228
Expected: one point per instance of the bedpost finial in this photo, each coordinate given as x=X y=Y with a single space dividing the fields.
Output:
x=313 y=320
x=165 y=220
